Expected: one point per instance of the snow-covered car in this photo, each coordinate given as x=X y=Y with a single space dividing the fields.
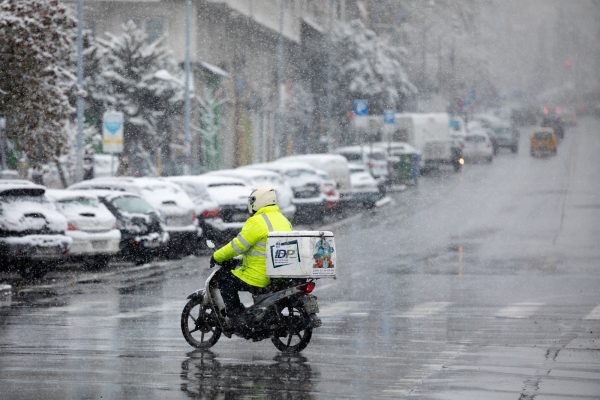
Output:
x=478 y=146
x=365 y=190
x=173 y=205
x=32 y=231
x=141 y=228
x=336 y=167
x=256 y=177
x=231 y=195
x=373 y=157
x=329 y=189
x=89 y=223
x=306 y=185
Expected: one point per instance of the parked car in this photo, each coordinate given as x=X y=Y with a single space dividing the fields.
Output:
x=90 y=224
x=478 y=147
x=543 y=141
x=173 y=205
x=365 y=190
x=32 y=231
x=329 y=189
x=334 y=165
x=403 y=161
x=373 y=157
x=208 y=212
x=141 y=228
x=231 y=196
x=306 y=185
x=256 y=177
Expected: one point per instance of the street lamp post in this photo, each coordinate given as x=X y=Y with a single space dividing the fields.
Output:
x=79 y=103
x=2 y=142
x=186 y=92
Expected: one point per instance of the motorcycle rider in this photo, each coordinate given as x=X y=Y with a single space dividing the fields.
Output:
x=251 y=243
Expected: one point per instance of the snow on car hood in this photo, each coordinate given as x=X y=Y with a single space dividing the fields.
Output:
x=21 y=215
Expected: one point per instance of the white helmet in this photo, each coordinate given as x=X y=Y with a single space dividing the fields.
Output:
x=261 y=197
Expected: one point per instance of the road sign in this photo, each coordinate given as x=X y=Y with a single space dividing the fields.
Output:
x=112 y=132
x=389 y=117
x=360 y=108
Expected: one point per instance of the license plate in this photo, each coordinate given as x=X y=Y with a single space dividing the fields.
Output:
x=311 y=306
x=99 y=244
x=46 y=251
x=151 y=244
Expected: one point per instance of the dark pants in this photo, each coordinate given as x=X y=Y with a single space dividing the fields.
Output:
x=230 y=285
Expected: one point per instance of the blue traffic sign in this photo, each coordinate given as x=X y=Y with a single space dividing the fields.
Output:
x=389 y=117
x=360 y=108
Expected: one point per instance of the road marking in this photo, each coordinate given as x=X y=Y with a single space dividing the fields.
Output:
x=518 y=310
x=595 y=314
x=426 y=309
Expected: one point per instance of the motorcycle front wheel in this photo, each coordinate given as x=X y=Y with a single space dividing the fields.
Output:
x=294 y=334
x=199 y=325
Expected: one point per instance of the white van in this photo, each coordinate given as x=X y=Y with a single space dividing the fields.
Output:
x=429 y=133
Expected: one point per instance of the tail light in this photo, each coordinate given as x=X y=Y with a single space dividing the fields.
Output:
x=307 y=287
x=71 y=226
x=214 y=213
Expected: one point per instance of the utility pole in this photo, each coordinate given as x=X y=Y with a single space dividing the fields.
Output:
x=186 y=93
x=2 y=142
x=278 y=134
x=329 y=83
x=79 y=103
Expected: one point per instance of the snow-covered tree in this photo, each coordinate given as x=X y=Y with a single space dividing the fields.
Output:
x=366 y=67
x=35 y=46
x=140 y=82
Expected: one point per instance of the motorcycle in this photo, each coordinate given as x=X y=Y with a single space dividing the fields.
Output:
x=285 y=312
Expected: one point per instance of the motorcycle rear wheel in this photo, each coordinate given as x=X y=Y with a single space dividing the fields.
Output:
x=199 y=325
x=295 y=339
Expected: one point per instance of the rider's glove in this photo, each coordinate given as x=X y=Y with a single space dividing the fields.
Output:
x=213 y=262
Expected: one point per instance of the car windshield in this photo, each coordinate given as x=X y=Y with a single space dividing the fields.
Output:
x=377 y=156
x=543 y=135
x=474 y=139
x=134 y=205
x=195 y=191
x=11 y=201
x=79 y=201
x=503 y=131
x=352 y=156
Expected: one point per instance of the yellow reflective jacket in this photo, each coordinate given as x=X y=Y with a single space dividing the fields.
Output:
x=251 y=243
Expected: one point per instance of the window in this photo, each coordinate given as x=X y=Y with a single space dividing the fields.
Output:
x=154 y=28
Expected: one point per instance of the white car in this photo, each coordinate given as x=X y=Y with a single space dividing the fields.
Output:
x=336 y=167
x=89 y=223
x=329 y=189
x=373 y=157
x=32 y=232
x=230 y=194
x=172 y=203
x=478 y=146
x=306 y=185
x=256 y=177
x=365 y=189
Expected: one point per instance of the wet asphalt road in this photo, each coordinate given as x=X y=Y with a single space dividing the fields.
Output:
x=479 y=285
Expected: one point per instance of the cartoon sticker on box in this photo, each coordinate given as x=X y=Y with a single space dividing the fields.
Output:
x=322 y=255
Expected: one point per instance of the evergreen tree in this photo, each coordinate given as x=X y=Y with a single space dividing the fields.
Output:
x=35 y=43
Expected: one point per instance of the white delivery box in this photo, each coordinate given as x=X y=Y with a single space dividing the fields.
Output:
x=301 y=254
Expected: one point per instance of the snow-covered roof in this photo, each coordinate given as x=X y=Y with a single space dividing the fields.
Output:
x=59 y=195
x=16 y=184
x=207 y=179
